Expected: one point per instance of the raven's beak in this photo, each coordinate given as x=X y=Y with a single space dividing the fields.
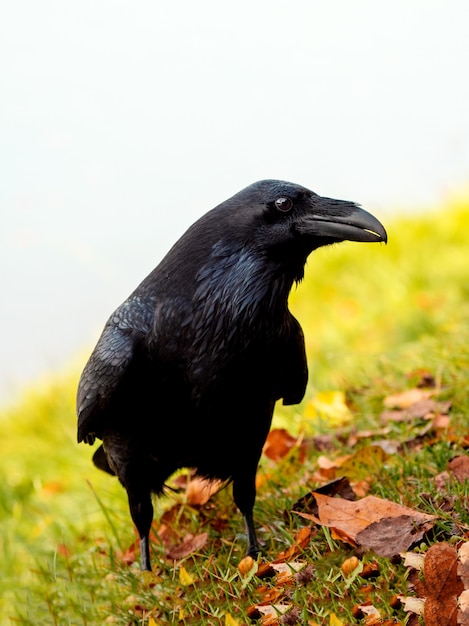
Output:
x=340 y=220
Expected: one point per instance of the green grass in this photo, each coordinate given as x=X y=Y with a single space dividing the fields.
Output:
x=373 y=316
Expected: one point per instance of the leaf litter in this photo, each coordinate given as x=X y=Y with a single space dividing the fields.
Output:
x=361 y=522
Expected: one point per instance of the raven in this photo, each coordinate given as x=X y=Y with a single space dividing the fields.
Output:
x=188 y=369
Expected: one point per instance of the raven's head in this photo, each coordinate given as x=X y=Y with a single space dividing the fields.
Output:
x=271 y=224
x=288 y=217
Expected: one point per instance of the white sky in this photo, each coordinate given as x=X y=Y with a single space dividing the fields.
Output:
x=122 y=122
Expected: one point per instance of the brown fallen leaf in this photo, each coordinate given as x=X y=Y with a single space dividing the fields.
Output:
x=190 y=544
x=406 y=398
x=425 y=408
x=349 y=519
x=458 y=469
x=279 y=442
x=441 y=600
x=442 y=585
x=393 y=535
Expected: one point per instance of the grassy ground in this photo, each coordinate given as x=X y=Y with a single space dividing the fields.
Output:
x=378 y=320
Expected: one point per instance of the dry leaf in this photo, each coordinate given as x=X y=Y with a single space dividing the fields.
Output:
x=414 y=605
x=406 y=398
x=442 y=585
x=200 y=490
x=302 y=538
x=278 y=444
x=428 y=409
x=190 y=544
x=325 y=463
x=349 y=519
x=414 y=560
x=463 y=565
x=393 y=535
x=185 y=578
x=463 y=612
x=459 y=467
x=366 y=609
x=349 y=565
x=246 y=565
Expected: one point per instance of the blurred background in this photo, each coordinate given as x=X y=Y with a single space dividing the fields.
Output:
x=121 y=123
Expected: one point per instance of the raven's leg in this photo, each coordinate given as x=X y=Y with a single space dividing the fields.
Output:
x=244 y=495
x=141 y=510
x=132 y=464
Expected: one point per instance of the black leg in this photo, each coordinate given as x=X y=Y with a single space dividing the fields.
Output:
x=141 y=510
x=244 y=495
x=145 y=563
x=253 y=546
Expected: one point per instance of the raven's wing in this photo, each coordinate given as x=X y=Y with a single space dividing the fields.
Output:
x=295 y=368
x=109 y=363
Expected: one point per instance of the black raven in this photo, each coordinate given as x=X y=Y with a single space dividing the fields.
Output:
x=188 y=369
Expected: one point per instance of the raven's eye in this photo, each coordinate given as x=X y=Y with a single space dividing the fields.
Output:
x=283 y=204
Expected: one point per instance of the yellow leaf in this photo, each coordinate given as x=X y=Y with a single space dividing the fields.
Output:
x=151 y=621
x=230 y=621
x=334 y=620
x=330 y=406
x=184 y=577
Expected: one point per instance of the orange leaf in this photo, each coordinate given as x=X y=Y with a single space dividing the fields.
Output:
x=246 y=565
x=278 y=444
x=349 y=565
x=200 y=490
x=302 y=539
